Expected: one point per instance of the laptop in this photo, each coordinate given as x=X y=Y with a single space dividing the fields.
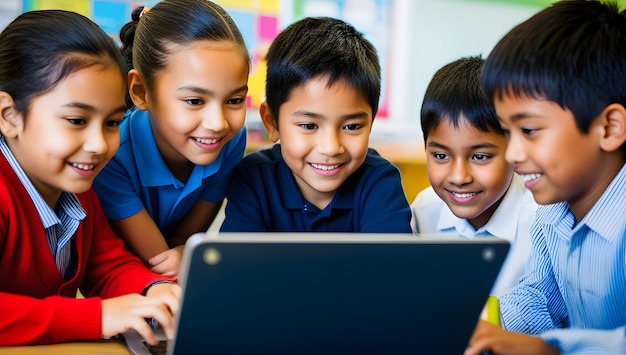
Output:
x=331 y=293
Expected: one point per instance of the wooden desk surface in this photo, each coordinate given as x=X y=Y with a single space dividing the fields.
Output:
x=111 y=347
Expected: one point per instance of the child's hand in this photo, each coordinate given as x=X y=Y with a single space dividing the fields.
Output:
x=167 y=293
x=167 y=263
x=501 y=342
x=120 y=314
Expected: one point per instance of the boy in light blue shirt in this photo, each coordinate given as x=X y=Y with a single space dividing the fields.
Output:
x=557 y=82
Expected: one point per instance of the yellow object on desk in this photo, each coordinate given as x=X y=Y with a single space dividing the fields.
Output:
x=493 y=310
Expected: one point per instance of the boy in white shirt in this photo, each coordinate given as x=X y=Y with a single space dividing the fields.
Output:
x=473 y=191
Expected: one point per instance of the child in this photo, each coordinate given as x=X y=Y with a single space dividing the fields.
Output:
x=473 y=191
x=322 y=89
x=178 y=147
x=557 y=82
x=61 y=100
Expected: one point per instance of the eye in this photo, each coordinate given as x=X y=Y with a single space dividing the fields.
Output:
x=235 y=101
x=528 y=131
x=440 y=156
x=76 y=120
x=194 y=101
x=308 y=126
x=112 y=123
x=353 y=126
x=480 y=157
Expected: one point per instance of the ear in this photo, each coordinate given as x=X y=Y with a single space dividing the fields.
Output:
x=271 y=126
x=137 y=89
x=10 y=118
x=613 y=125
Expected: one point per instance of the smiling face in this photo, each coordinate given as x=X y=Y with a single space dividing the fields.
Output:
x=70 y=132
x=556 y=160
x=324 y=135
x=467 y=169
x=199 y=102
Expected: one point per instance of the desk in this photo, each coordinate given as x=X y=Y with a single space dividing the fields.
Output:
x=110 y=347
x=409 y=157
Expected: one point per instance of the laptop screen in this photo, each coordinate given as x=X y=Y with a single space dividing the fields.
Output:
x=320 y=293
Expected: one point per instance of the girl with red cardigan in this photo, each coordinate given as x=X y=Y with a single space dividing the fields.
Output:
x=62 y=90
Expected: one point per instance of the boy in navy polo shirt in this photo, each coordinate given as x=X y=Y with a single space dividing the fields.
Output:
x=322 y=92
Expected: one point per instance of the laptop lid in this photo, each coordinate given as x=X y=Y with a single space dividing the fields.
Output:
x=333 y=293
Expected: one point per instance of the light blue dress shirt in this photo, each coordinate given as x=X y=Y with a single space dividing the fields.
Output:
x=574 y=291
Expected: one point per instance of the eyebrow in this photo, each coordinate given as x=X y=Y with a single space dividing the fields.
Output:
x=474 y=147
x=310 y=114
x=90 y=108
x=519 y=116
x=206 y=92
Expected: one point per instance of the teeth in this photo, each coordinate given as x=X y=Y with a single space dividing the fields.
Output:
x=83 y=166
x=464 y=195
x=206 y=141
x=325 y=167
x=530 y=177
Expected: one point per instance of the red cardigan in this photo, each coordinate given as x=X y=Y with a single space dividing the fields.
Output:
x=37 y=306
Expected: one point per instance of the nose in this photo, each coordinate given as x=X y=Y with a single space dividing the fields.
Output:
x=99 y=140
x=330 y=143
x=514 y=152
x=214 y=119
x=460 y=173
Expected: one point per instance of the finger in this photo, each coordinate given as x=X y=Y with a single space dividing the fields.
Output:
x=143 y=328
x=159 y=258
x=172 y=299
x=478 y=348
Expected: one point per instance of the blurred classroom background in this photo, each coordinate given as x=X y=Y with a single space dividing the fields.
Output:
x=414 y=39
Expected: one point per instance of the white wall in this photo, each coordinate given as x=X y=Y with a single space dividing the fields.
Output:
x=431 y=33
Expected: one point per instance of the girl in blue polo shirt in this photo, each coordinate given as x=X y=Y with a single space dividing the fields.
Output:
x=184 y=134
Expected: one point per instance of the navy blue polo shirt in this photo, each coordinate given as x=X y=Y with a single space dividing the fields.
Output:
x=262 y=196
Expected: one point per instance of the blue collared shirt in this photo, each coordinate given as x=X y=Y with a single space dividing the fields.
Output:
x=59 y=228
x=137 y=176
x=574 y=293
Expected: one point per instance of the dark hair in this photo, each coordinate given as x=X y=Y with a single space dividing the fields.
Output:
x=41 y=48
x=314 y=47
x=572 y=53
x=455 y=90
x=148 y=38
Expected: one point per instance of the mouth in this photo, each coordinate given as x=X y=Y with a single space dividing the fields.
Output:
x=84 y=167
x=530 y=177
x=325 y=167
x=206 y=140
x=463 y=195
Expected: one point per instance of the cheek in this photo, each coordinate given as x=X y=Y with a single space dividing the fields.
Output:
x=295 y=145
x=113 y=142
x=236 y=120
x=436 y=172
x=498 y=177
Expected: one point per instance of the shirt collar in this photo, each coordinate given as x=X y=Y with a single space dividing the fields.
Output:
x=68 y=202
x=502 y=224
x=606 y=217
x=151 y=167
